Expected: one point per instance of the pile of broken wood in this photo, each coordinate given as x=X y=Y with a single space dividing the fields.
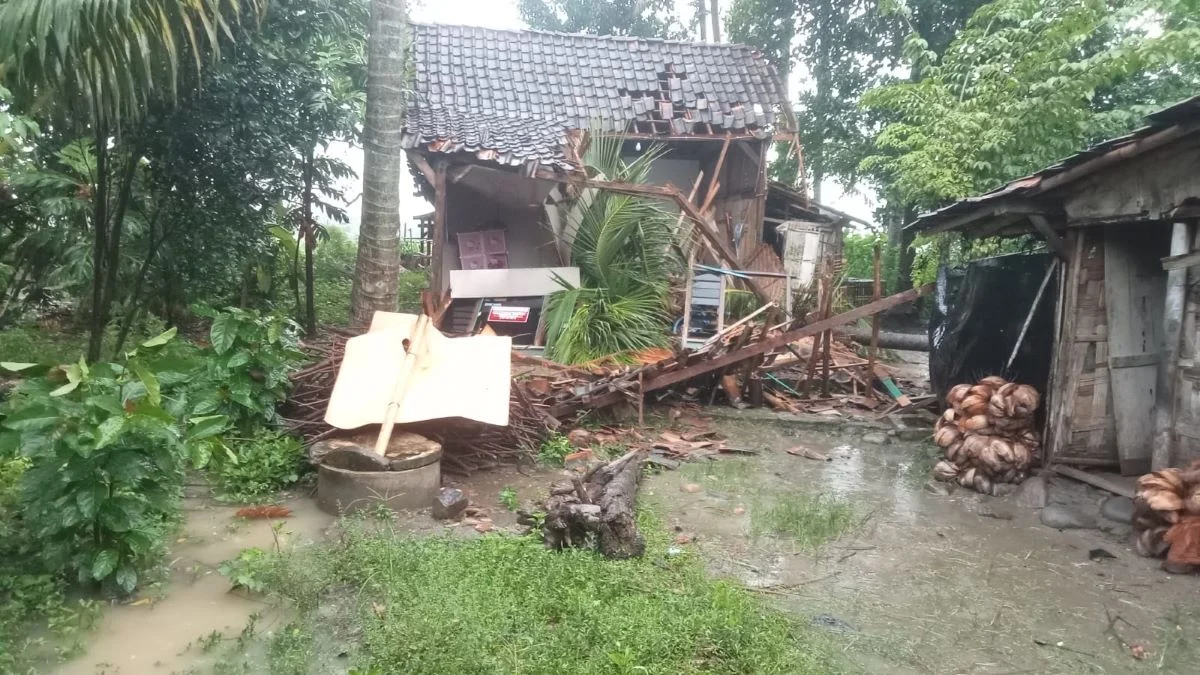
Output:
x=546 y=395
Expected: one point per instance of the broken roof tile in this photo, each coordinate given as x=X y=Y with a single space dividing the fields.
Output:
x=516 y=93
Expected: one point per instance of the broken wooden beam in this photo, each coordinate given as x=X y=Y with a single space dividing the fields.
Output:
x=668 y=378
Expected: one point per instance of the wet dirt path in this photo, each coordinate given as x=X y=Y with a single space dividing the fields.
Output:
x=163 y=629
x=928 y=583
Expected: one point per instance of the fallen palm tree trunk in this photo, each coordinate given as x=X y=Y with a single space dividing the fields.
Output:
x=916 y=342
x=598 y=508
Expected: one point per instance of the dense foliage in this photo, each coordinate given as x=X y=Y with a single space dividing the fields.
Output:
x=1026 y=83
x=170 y=198
x=623 y=248
x=105 y=453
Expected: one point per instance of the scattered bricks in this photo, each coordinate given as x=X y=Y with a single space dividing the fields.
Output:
x=450 y=504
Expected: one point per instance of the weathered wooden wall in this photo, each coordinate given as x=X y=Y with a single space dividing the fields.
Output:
x=1187 y=384
x=1147 y=186
x=1082 y=426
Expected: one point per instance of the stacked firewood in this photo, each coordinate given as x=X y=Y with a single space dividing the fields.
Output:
x=1166 y=515
x=988 y=434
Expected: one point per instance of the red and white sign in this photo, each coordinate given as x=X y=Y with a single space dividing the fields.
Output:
x=502 y=314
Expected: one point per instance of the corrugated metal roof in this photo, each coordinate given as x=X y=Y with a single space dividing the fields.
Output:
x=512 y=96
x=1184 y=111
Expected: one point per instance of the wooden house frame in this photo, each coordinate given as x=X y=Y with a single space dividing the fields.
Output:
x=1124 y=219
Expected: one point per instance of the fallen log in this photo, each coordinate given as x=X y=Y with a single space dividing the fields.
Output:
x=598 y=510
x=916 y=342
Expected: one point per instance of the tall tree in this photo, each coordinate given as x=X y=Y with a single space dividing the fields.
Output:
x=1022 y=85
x=103 y=63
x=637 y=18
x=377 y=271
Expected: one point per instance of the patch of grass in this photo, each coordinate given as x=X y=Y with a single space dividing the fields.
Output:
x=504 y=604
x=33 y=345
x=811 y=521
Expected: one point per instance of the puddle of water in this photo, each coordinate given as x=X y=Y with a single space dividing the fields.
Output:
x=928 y=583
x=161 y=637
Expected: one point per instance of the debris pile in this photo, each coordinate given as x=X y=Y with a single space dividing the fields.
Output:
x=988 y=434
x=1166 y=517
x=467 y=446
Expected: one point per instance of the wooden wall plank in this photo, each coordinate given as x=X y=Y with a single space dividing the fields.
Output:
x=1134 y=288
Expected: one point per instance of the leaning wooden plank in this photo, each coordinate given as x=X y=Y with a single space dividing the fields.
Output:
x=669 y=378
x=1098 y=481
x=1182 y=261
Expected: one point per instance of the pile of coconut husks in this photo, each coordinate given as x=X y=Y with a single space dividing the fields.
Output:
x=1166 y=517
x=987 y=434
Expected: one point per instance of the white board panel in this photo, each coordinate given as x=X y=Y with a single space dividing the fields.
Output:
x=527 y=282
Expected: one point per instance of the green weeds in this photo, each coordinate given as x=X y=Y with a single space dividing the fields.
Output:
x=554 y=450
x=509 y=499
x=808 y=520
x=259 y=467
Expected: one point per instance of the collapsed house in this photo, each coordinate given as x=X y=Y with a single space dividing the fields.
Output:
x=1123 y=380
x=495 y=127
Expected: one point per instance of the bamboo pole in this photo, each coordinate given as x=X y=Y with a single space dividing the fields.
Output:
x=415 y=343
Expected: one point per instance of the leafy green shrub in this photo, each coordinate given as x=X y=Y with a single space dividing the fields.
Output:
x=260 y=466
x=509 y=499
x=554 y=450
x=105 y=472
x=412 y=282
x=246 y=366
x=333 y=273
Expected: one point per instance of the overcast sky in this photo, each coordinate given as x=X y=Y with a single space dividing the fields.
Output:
x=504 y=14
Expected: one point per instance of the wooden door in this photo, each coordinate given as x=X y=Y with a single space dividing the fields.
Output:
x=1134 y=287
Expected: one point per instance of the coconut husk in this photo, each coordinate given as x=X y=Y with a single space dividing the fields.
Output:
x=956 y=394
x=974 y=405
x=1184 y=540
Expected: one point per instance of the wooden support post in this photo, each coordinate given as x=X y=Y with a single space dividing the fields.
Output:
x=721 y=307
x=1168 y=365
x=641 y=399
x=437 y=282
x=876 y=293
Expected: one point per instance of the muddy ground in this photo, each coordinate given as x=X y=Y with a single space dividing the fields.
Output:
x=922 y=583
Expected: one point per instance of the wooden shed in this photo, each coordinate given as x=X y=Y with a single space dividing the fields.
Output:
x=1122 y=217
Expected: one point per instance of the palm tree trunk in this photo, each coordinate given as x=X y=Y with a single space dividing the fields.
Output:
x=377 y=270
x=310 y=235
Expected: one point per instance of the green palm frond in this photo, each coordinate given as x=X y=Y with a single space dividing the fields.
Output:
x=623 y=248
x=108 y=57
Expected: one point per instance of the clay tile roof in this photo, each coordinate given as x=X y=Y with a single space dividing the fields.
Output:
x=515 y=94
